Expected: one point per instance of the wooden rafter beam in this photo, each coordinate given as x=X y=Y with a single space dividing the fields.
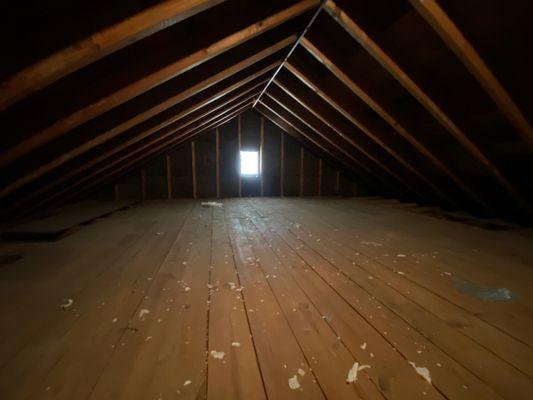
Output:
x=410 y=85
x=150 y=81
x=463 y=49
x=353 y=160
x=98 y=45
x=38 y=172
x=323 y=153
x=403 y=132
x=130 y=148
x=300 y=37
x=355 y=122
x=345 y=149
x=149 y=151
x=312 y=110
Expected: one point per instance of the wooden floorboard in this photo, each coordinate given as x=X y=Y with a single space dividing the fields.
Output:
x=268 y=298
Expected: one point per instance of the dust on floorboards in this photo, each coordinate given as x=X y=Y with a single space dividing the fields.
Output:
x=277 y=298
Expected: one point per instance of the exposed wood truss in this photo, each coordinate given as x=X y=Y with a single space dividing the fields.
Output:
x=88 y=106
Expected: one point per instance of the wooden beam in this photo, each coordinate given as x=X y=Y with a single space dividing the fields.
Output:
x=320 y=177
x=193 y=162
x=98 y=45
x=169 y=176
x=403 y=78
x=148 y=82
x=282 y=160
x=153 y=153
x=217 y=156
x=116 y=192
x=314 y=142
x=359 y=92
x=261 y=148
x=300 y=75
x=296 y=43
x=143 y=184
x=145 y=151
x=301 y=171
x=346 y=151
x=467 y=54
x=108 y=135
x=129 y=144
x=239 y=155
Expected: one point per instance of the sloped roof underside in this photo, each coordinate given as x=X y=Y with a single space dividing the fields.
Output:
x=428 y=99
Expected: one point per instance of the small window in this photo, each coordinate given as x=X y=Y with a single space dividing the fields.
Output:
x=249 y=163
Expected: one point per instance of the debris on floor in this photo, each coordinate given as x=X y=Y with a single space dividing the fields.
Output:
x=422 y=371
x=142 y=313
x=235 y=344
x=352 y=373
x=293 y=383
x=212 y=204
x=219 y=355
x=67 y=303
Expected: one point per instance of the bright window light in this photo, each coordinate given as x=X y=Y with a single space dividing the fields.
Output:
x=249 y=163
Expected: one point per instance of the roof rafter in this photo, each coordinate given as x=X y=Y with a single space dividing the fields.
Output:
x=353 y=160
x=129 y=143
x=455 y=40
x=343 y=150
x=98 y=45
x=108 y=135
x=320 y=56
x=356 y=123
x=147 y=151
x=131 y=90
x=403 y=78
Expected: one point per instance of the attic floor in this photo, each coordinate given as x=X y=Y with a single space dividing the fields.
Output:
x=269 y=298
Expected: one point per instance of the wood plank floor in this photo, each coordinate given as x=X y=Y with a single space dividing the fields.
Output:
x=265 y=298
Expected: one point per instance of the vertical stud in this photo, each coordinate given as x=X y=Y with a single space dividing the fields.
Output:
x=337 y=182
x=239 y=155
x=282 y=151
x=193 y=162
x=169 y=177
x=301 y=171
x=116 y=191
x=261 y=145
x=320 y=177
x=217 y=150
x=143 y=184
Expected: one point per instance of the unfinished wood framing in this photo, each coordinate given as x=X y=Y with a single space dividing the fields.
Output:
x=217 y=157
x=193 y=169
